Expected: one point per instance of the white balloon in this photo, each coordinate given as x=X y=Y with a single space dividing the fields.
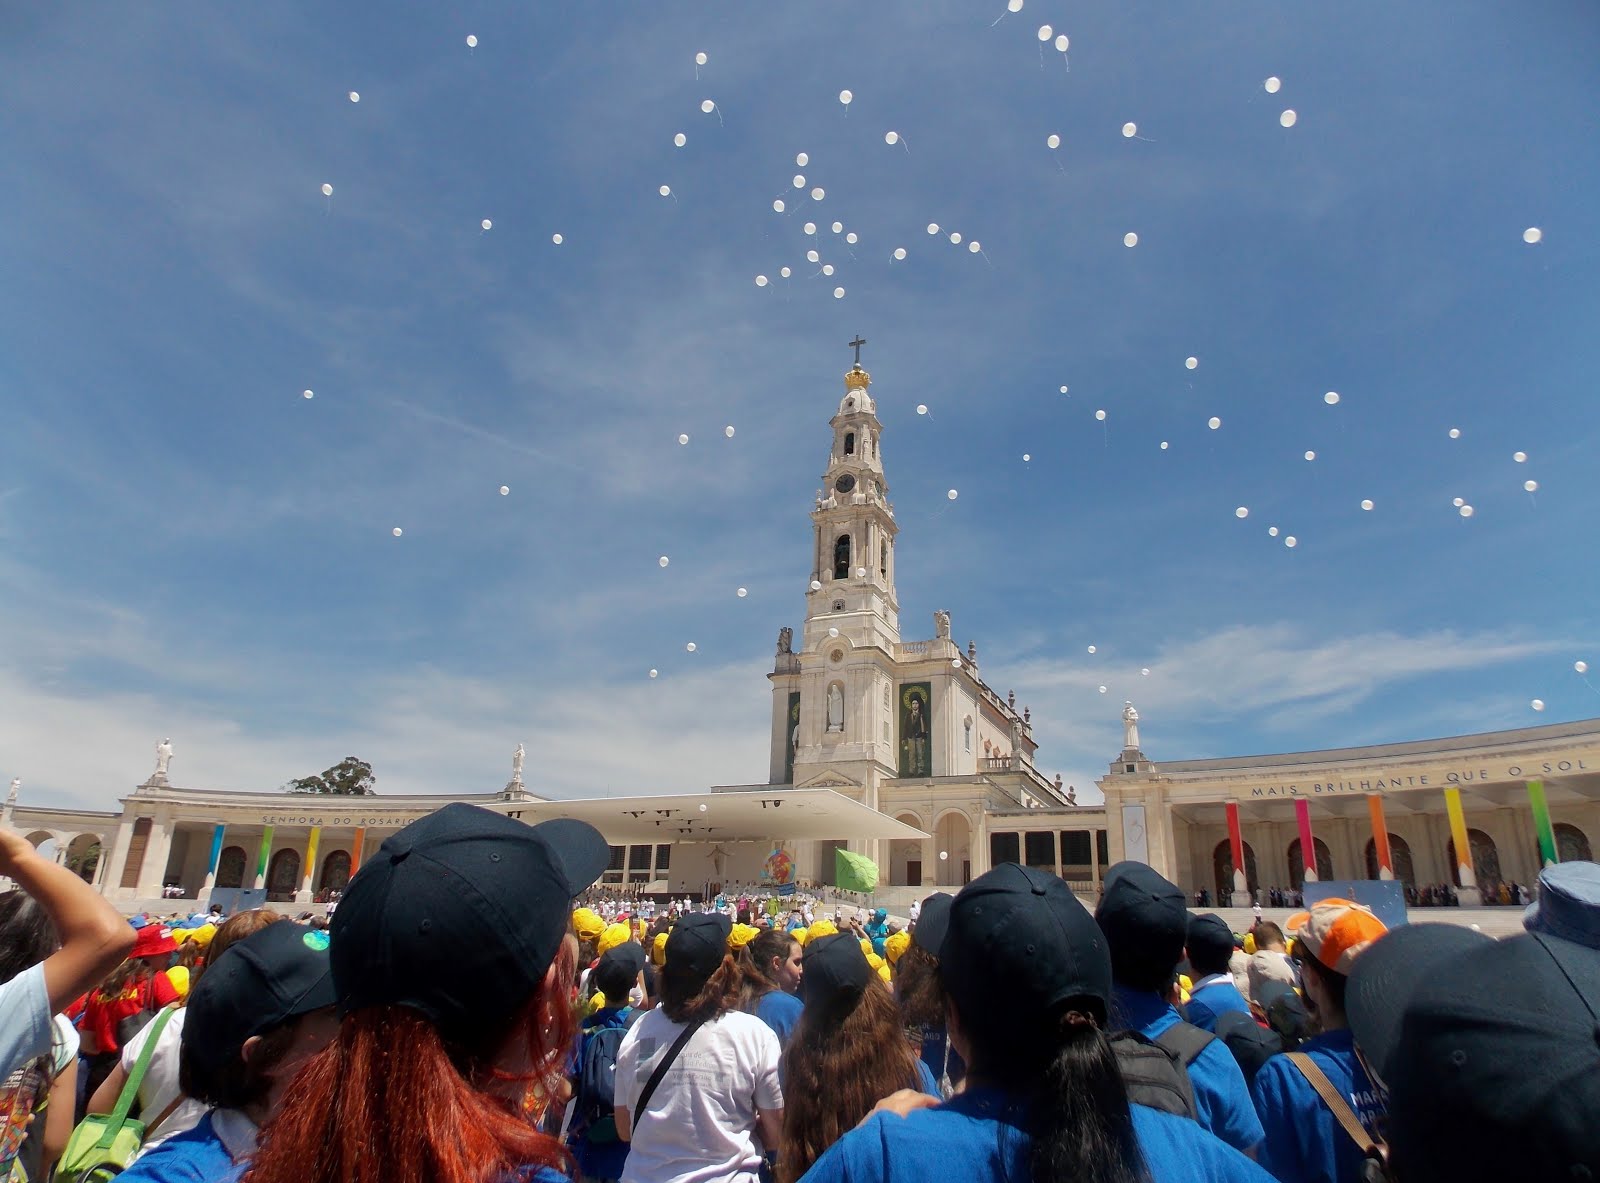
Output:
x=813 y=257
x=665 y=190
x=1129 y=130
x=1581 y=666
x=1052 y=141
x=1213 y=423
x=1458 y=502
x=1190 y=363
x=700 y=58
x=1026 y=457
x=683 y=439
x=1466 y=511
x=833 y=632
x=355 y=96
x=690 y=648
x=955 y=237
x=505 y=490
x=707 y=106
x=784 y=271
x=680 y=139
x=944 y=855
x=1311 y=455
x=653 y=673
x=1046 y=32
x=487 y=224
x=1532 y=235
x=836 y=227
x=557 y=239
x=728 y=431
x=472 y=41
x=1011 y=6
x=1288 y=118
x=397 y=531
x=1063 y=390
x=307 y=394
x=799 y=181
x=899 y=252
x=1291 y=542
x=1537 y=704
x=742 y=593
x=1520 y=457
x=891 y=137
x=810 y=227
x=777 y=206
x=761 y=281
x=1455 y=433
x=974 y=247
x=846 y=97
x=818 y=194
x=1145 y=673
x=851 y=238
x=327 y=190
x=1531 y=486
x=1272 y=531
x=951 y=494
x=1366 y=503
x=1062 y=43
x=922 y=408
x=1100 y=416
x=1331 y=398
x=1091 y=648
x=838 y=293
x=933 y=227
x=1130 y=239
x=1163 y=445
x=827 y=269
x=1102 y=690
x=1242 y=512
x=802 y=160
x=816 y=585
x=1272 y=85
x=663 y=561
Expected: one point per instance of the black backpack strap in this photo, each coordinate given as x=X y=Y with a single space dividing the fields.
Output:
x=1185 y=1041
x=661 y=1068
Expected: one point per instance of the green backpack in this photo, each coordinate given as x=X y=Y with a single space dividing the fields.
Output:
x=104 y=1144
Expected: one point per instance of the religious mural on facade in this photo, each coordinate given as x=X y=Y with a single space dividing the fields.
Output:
x=792 y=743
x=916 y=719
x=778 y=869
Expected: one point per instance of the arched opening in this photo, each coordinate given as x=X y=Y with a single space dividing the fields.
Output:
x=1572 y=844
x=230 y=867
x=905 y=856
x=952 y=836
x=45 y=843
x=83 y=856
x=335 y=871
x=883 y=559
x=849 y=443
x=283 y=875
x=1222 y=868
x=1485 y=861
x=1399 y=855
x=1324 y=862
x=841 y=557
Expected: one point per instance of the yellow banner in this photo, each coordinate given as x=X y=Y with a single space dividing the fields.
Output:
x=1458 y=835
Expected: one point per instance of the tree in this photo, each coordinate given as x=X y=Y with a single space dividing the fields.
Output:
x=350 y=777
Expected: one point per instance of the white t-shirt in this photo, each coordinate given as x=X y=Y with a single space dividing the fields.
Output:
x=24 y=1019
x=160 y=1083
x=701 y=1125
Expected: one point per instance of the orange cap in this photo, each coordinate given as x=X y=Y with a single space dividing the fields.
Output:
x=1336 y=931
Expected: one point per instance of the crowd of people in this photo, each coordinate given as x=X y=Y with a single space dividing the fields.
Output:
x=474 y=1013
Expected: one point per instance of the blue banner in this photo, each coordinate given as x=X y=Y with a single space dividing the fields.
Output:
x=785 y=889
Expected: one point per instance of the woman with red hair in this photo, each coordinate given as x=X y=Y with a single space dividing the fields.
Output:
x=454 y=968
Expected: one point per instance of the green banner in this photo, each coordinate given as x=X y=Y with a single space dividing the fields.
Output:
x=266 y=853
x=854 y=872
x=1542 y=828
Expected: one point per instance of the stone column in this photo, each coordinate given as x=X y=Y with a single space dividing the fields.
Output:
x=116 y=859
x=930 y=861
x=1094 y=859
x=157 y=849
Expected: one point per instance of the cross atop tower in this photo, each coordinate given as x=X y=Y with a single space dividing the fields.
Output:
x=856 y=345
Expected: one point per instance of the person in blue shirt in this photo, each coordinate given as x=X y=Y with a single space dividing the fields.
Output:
x=774 y=958
x=877 y=930
x=1305 y=1141
x=1210 y=947
x=599 y=1153
x=1028 y=979
x=1146 y=923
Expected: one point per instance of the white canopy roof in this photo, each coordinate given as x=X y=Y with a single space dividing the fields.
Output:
x=747 y=816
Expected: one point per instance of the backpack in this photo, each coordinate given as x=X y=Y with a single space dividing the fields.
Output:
x=593 y=1114
x=1156 y=1071
x=105 y=1144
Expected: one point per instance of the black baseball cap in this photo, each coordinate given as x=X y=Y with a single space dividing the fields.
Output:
x=272 y=976
x=932 y=921
x=460 y=914
x=619 y=968
x=1209 y=938
x=697 y=944
x=835 y=974
x=1144 y=921
x=1252 y=1044
x=1494 y=1072
x=1022 y=935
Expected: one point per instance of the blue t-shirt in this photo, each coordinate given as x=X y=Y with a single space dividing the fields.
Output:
x=1221 y=1097
x=1211 y=1001
x=976 y=1137
x=779 y=1010
x=1305 y=1142
x=940 y=1057
x=599 y=1160
x=196 y=1155
x=925 y=1081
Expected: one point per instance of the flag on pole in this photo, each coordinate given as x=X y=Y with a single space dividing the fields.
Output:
x=854 y=872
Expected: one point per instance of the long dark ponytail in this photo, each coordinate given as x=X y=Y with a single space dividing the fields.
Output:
x=1082 y=1126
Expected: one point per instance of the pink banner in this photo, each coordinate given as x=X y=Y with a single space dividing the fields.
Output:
x=1308 y=845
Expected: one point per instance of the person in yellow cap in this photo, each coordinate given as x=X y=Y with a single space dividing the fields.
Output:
x=821 y=928
x=1305 y=1140
x=741 y=935
x=658 y=950
x=895 y=946
x=587 y=925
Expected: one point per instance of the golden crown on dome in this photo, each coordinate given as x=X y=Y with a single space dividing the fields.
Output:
x=856 y=378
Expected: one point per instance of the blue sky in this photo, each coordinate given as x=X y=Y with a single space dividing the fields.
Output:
x=189 y=548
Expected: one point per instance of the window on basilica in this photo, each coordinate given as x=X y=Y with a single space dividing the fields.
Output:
x=849 y=443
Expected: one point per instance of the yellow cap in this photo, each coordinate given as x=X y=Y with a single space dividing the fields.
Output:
x=742 y=935
x=821 y=928
x=178 y=975
x=1250 y=943
x=658 y=949
x=896 y=945
x=614 y=935
x=587 y=924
